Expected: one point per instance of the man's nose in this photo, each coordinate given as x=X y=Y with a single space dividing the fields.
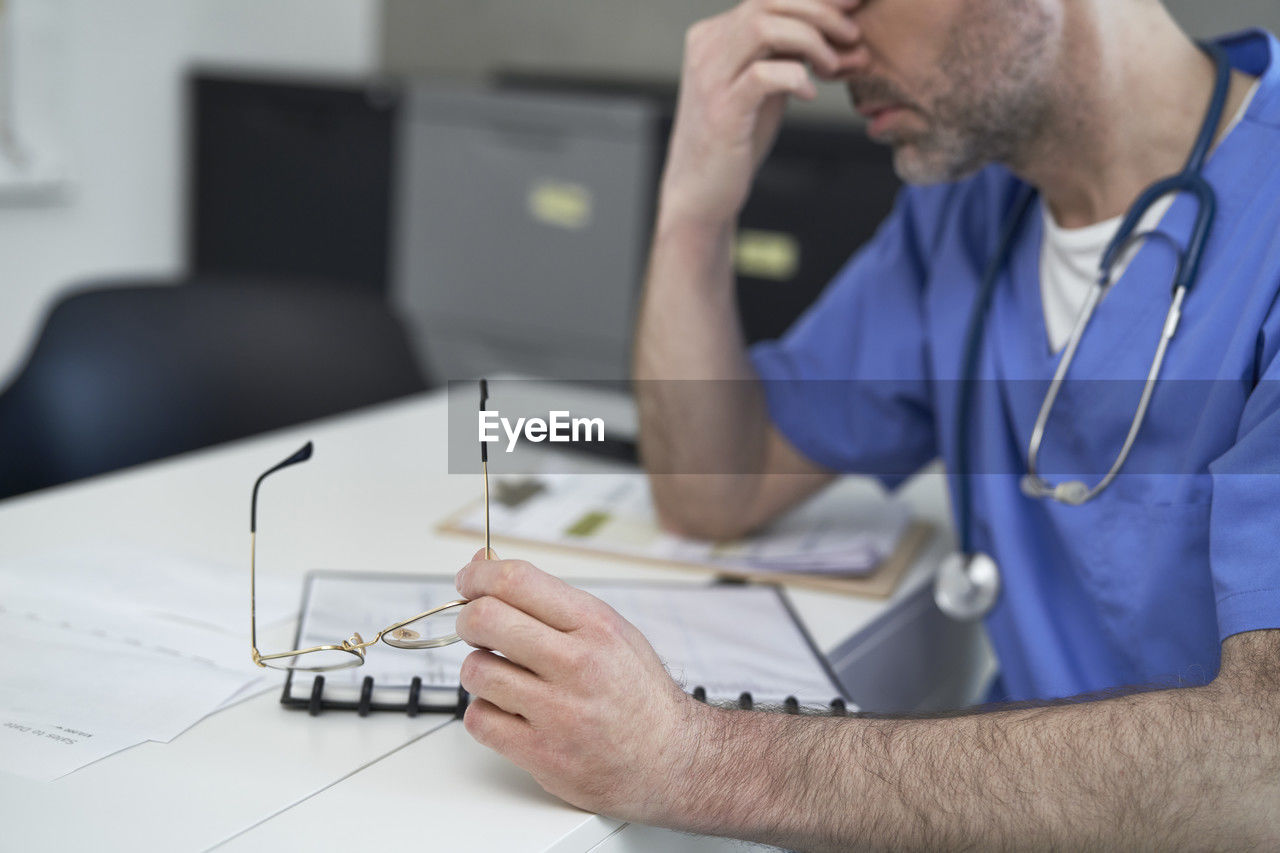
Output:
x=857 y=59
x=855 y=62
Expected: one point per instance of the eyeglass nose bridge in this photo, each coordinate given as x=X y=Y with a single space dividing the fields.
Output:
x=356 y=643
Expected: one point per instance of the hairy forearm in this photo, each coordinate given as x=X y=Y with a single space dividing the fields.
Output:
x=688 y=327
x=1197 y=767
x=702 y=415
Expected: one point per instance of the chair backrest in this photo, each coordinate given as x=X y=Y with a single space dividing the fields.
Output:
x=128 y=373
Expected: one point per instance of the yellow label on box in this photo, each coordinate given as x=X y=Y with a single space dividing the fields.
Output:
x=560 y=204
x=588 y=524
x=766 y=254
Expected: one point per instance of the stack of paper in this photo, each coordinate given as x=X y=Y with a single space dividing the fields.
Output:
x=822 y=537
x=110 y=649
x=846 y=535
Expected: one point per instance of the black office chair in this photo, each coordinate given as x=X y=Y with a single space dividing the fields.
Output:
x=130 y=372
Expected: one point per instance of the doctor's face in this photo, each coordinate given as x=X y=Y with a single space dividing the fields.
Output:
x=955 y=84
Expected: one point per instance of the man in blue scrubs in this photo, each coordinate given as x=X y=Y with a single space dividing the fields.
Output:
x=1170 y=579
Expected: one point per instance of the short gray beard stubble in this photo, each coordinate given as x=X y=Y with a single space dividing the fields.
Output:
x=990 y=101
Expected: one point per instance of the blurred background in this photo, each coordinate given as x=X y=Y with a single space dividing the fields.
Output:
x=223 y=216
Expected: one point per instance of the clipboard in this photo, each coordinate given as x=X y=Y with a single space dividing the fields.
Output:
x=880 y=583
x=787 y=661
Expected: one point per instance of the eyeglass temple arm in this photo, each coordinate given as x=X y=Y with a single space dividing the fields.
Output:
x=301 y=456
x=484 y=468
x=484 y=401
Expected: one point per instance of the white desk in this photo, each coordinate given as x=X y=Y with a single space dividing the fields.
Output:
x=257 y=776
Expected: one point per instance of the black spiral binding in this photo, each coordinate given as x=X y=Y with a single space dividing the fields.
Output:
x=413 y=704
x=317 y=693
x=415 y=694
x=315 y=703
x=790 y=705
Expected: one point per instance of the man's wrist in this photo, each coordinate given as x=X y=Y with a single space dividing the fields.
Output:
x=716 y=783
x=699 y=247
x=766 y=777
x=687 y=221
x=684 y=204
x=690 y=749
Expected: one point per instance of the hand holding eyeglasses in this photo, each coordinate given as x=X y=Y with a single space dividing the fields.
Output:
x=575 y=694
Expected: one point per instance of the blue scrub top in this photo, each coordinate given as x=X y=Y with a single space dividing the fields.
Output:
x=1140 y=586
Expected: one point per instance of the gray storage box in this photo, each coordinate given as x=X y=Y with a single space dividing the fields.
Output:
x=523 y=222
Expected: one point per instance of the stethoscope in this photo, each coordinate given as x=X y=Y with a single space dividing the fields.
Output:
x=968 y=582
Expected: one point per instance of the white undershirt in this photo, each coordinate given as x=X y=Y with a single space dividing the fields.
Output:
x=1070 y=257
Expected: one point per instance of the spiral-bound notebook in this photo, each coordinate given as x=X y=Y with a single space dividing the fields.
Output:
x=725 y=643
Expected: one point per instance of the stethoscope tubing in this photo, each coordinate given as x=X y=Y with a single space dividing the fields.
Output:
x=1188 y=181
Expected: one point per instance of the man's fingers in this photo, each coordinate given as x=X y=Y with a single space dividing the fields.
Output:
x=498 y=680
x=488 y=622
x=495 y=728
x=525 y=587
x=830 y=18
x=481 y=555
x=771 y=77
x=817 y=31
x=778 y=35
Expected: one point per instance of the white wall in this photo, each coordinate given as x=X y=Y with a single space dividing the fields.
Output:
x=124 y=61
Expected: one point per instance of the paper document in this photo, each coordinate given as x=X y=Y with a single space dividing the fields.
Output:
x=836 y=533
x=726 y=639
x=117 y=649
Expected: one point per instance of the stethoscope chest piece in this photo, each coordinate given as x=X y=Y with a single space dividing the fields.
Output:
x=967 y=586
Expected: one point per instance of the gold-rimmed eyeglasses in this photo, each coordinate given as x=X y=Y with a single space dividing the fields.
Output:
x=428 y=630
